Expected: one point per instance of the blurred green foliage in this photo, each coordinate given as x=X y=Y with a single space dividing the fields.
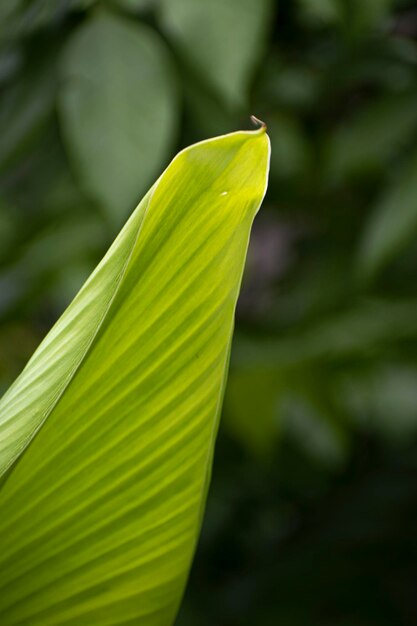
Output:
x=314 y=497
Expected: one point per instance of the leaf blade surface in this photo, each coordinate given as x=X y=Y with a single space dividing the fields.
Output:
x=100 y=515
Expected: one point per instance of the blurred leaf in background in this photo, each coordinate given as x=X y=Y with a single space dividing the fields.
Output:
x=224 y=41
x=393 y=224
x=118 y=109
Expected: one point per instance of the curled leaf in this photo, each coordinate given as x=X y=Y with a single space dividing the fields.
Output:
x=108 y=433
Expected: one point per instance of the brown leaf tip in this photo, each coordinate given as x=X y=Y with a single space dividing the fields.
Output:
x=258 y=123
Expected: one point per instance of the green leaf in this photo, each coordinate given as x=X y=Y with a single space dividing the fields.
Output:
x=118 y=109
x=368 y=139
x=204 y=113
x=313 y=430
x=19 y=18
x=135 y=5
x=251 y=410
x=263 y=406
x=292 y=154
x=364 y=330
x=51 y=254
x=25 y=107
x=321 y=12
x=113 y=420
x=8 y=228
x=223 y=40
x=369 y=15
x=356 y=17
x=392 y=224
x=383 y=399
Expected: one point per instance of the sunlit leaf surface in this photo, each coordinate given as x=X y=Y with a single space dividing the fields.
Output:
x=115 y=416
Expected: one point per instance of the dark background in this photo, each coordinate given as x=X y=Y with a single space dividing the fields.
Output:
x=312 y=513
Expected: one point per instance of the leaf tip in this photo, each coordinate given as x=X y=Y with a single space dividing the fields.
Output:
x=260 y=125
